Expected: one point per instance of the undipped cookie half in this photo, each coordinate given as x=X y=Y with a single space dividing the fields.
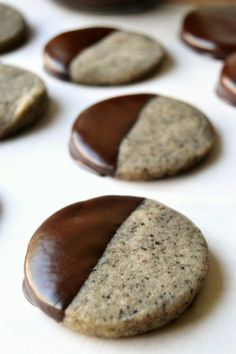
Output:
x=102 y=56
x=23 y=99
x=115 y=266
x=226 y=88
x=13 y=28
x=211 y=29
x=141 y=137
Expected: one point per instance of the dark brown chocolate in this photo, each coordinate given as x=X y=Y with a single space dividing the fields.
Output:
x=99 y=130
x=226 y=88
x=109 y=5
x=211 y=30
x=62 y=49
x=67 y=246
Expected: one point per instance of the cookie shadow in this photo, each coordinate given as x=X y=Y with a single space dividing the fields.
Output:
x=168 y=64
x=163 y=68
x=47 y=120
x=205 y=303
x=31 y=33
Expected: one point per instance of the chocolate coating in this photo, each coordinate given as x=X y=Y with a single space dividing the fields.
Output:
x=62 y=49
x=99 y=130
x=211 y=30
x=226 y=88
x=67 y=246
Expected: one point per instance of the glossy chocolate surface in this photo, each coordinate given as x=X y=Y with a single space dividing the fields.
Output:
x=211 y=30
x=227 y=84
x=66 y=247
x=62 y=49
x=99 y=130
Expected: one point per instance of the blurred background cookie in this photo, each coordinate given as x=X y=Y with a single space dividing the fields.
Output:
x=102 y=56
x=211 y=29
x=23 y=99
x=120 y=6
x=13 y=29
x=226 y=88
x=115 y=266
x=141 y=137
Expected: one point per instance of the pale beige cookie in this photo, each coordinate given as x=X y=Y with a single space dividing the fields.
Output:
x=169 y=136
x=12 y=28
x=23 y=99
x=120 y=58
x=116 y=266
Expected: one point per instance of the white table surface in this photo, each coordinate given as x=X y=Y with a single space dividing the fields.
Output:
x=38 y=177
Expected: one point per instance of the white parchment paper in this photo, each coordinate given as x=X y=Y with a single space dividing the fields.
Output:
x=38 y=177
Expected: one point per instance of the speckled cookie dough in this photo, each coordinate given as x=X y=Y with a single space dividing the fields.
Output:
x=23 y=99
x=120 y=58
x=151 y=268
x=141 y=137
x=169 y=136
x=12 y=28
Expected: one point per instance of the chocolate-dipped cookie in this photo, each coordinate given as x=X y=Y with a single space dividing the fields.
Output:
x=23 y=99
x=102 y=56
x=226 y=88
x=141 y=137
x=13 y=28
x=211 y=29
x=115 y=266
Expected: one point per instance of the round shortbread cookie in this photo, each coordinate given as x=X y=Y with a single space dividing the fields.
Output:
x=226 y=88
x=115 y=266
x=141 y=137
x=23 y=99
x=102 y=56
x=211 y=29
x=13 y=28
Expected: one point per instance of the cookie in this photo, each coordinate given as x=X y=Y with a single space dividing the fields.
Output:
x=102 y=56
x=13 y=28
x=23 y=99
x=141 y=137
x=120 y=6
x=211 y=29
x=115 y=266
x=226 y=88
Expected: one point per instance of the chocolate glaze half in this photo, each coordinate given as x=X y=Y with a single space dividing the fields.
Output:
x=62 y=49
x=211 y=29
x=226 y=88
x=99 y=130
x=67 y=246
